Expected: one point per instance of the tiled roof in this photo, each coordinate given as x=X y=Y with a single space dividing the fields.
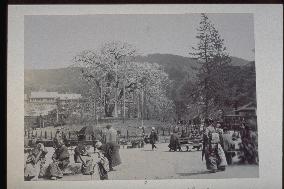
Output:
x=69 y=96
x=43 y=94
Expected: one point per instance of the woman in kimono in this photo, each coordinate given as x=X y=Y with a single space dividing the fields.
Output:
x=60 y=160
x=35 y=162
x=214 y=155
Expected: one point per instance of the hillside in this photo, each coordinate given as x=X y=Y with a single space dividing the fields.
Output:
x=69 y=80
x=61 y=80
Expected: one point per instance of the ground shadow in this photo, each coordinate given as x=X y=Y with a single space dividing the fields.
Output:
x=194 y=173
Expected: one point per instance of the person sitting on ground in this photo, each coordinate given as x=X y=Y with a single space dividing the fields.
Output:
x=33 y=142
x=35 y=162
x=80 y=149
x=60 y=160
x=102 y=162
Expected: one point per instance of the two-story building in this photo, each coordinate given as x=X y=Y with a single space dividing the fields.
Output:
x=41 y=105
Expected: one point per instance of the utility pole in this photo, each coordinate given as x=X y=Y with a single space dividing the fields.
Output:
x=137 y=94
x=57 y=116
x=123 y=100
x=115 y=102
x=102 y=103
x=142 y=102
x=95 y=115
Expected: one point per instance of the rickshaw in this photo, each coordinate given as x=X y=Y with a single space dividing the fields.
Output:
x=190 y=143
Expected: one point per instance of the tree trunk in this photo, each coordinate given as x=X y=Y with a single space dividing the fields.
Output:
x=123 y=101
x=109 y=108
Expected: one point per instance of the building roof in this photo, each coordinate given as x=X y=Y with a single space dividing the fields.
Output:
x=43 y=94
x=72 y=96
x=53 y=95
x=248 y=107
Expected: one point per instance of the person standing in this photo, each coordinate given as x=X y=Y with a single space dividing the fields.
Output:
x=153 y=138
x=227 y=143
x=214 y=154
x=112 y=147
x=248 y=145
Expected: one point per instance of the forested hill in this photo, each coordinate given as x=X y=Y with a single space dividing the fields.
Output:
x=69 y=80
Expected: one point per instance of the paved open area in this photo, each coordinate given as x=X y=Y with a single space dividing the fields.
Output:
x=143 y=163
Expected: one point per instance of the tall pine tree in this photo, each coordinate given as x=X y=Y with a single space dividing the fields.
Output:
x=213 y=60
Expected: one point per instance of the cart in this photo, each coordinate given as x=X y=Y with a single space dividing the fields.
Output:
x=188 y=143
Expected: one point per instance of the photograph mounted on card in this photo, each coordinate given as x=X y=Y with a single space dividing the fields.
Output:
x=144 y=95
x=176 y=92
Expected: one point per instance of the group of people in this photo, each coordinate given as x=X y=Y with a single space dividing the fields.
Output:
x=99 y=162
x=175 y=143
x=219 y=145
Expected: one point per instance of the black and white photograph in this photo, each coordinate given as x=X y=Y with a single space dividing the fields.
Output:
x=140 y=96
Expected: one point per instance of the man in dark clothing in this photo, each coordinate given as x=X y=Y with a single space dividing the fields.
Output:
x=174 y=142
x=153 y=138
x=248 y=146
x=227 y=143
x=60 y=160
x=112 y=147
x=80 y=149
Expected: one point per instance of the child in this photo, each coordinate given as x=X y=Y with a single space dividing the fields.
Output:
x=35 y=162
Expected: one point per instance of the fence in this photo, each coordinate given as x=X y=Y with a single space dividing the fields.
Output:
x=46 y=136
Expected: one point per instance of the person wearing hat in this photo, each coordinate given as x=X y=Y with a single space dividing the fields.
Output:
x=153 y=138
x=212 y=149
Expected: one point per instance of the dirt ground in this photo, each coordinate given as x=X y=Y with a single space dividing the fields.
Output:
x=143 y=163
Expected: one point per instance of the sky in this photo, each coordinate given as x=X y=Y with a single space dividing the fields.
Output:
x=52 y=41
